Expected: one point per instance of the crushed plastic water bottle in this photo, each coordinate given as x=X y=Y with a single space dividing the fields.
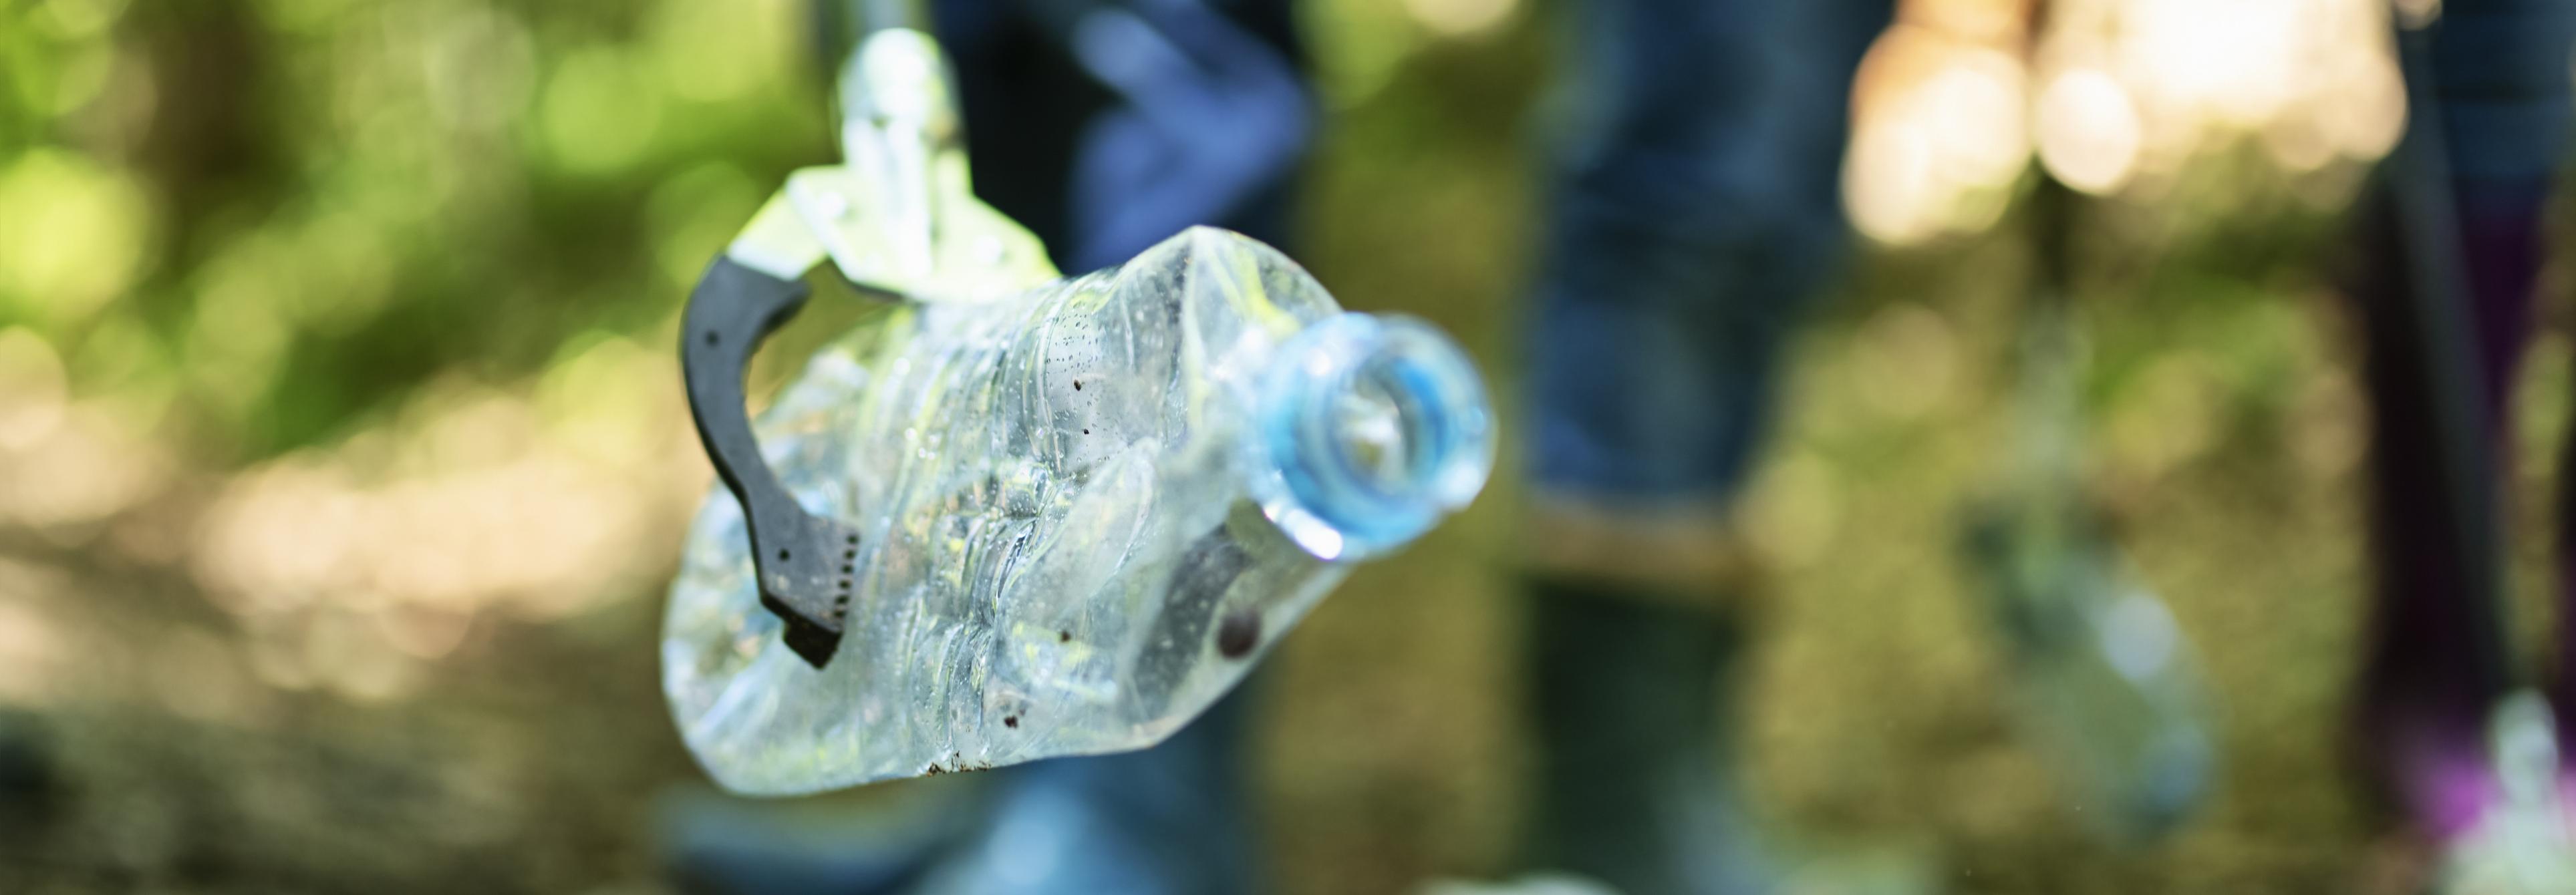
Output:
x=1084 y=512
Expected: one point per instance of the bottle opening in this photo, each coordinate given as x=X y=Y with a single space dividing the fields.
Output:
x=1376 y=427
x=1380 y=430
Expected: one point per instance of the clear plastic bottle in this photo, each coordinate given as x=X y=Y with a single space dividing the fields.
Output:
x=1085 y=512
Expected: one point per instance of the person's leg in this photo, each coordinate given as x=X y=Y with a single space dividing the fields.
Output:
x=1693 y=211
x=2432 y=664
x=2453 y=251
x=1635 y=788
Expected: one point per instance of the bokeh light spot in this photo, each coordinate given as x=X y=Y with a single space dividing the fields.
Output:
x=1793 y=511
x=78 y=18
x=72 y=233
x=2088 y=130
x=714 y=52
x=600 y=113
x=693 y=214
x=32 y=389
x=1460 y=18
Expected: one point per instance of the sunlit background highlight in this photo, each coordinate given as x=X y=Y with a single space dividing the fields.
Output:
x=337 y=407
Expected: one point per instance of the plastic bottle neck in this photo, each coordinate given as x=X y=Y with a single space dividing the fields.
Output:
x=1375 y=428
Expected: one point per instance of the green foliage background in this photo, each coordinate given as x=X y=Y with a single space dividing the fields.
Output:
x=248 y=244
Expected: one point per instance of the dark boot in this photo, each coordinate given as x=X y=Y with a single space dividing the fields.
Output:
x=1634 y=701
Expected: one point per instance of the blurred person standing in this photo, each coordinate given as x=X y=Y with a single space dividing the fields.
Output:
x=1693 y=213
x=2451 y=249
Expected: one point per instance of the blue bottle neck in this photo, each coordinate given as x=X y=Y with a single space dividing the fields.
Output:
x=1376 y=428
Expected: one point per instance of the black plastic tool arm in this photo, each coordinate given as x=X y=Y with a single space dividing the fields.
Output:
x=802 y=561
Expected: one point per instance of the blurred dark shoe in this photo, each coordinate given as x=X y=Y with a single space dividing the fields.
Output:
x=2521 y=845
x=1635 y=701
x=2102 y=679
x=29 y=780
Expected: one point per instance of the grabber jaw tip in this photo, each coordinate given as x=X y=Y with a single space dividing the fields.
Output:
x=898 y=218
x=805 y=563
x=809 y=583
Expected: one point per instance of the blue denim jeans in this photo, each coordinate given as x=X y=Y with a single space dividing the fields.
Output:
x=1692 y=213
x=1106 y=126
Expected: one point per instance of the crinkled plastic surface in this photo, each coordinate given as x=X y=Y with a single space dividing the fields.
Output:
x=1059 y=552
